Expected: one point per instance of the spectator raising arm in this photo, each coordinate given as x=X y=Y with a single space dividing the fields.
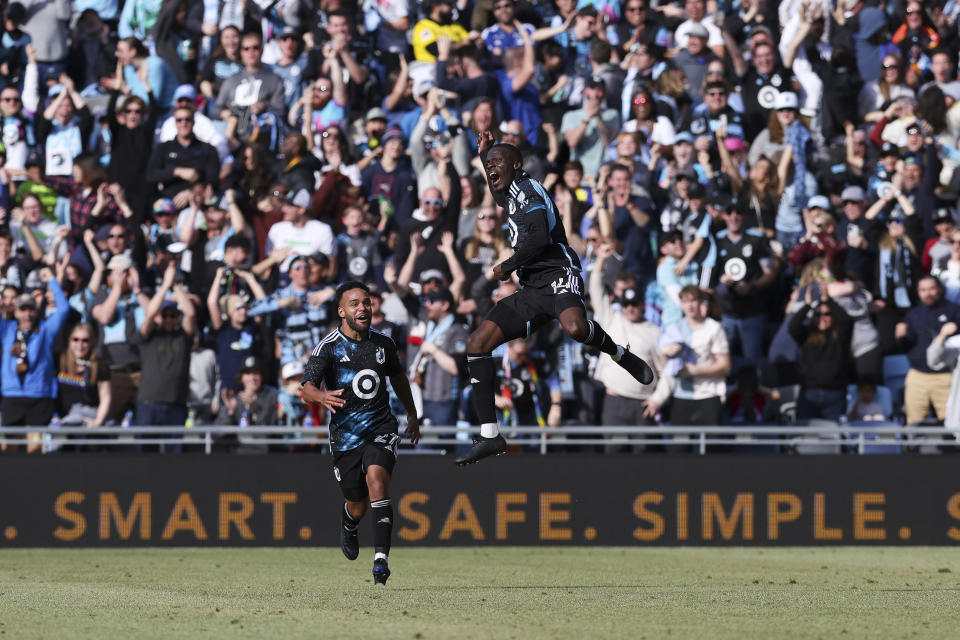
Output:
x=156 y=302
x=529 y=68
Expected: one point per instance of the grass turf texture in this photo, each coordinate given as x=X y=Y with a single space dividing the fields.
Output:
x=526 y=593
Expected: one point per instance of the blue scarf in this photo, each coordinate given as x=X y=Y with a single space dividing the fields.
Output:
x=797 y=138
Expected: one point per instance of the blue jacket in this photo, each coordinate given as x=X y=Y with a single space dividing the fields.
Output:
x=40 y=381
x=923 y=325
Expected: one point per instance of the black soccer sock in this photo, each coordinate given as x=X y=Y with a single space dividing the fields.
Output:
x=597 y=337
x=483 y=375
x=349 y=522
x=382 y=513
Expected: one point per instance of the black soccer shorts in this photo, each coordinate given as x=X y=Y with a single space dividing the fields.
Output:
x=350 y=467
x=521 y=314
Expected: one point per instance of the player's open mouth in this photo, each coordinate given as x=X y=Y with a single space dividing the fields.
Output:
x=494 y=177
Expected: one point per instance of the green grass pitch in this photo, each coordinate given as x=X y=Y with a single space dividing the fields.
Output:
x=523 y=593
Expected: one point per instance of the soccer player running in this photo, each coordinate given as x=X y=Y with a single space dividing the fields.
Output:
x=352 y=364
x=551 y=287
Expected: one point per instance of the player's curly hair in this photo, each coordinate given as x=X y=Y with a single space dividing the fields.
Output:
x=348 y=286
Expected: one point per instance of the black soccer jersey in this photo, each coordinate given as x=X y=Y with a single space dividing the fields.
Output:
x=361 y=369
x=535 y=231
x=744 y=261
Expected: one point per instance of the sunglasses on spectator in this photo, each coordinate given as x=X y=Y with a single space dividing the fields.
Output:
x=641 y=100
x=507 y=132
x=322 y=88
x=822 y=314
x=888 y=66
x=299 y=266
x=133 y=110
x=279 y=194
x=894 y=221
x=437 y=203
x=115 y=236
x=715 y=72
x=183 y=119
x=910 y=12
x=80 y=340
x=713 y=94
x=328 y=134
x=10 y=99
x=252 y=47
x=636 y=8
x=486 y=216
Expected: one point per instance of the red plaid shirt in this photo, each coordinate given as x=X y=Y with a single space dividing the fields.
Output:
x=82 y=203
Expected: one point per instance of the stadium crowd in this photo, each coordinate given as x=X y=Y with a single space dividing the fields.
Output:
x=763 y=194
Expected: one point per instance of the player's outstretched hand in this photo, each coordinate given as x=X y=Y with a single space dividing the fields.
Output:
x=331 y=400
x=484 y=141
x=413 y=428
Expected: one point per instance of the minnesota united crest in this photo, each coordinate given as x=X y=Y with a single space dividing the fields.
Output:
x=381 y=355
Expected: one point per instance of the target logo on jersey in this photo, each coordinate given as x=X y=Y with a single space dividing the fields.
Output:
x=366 y=384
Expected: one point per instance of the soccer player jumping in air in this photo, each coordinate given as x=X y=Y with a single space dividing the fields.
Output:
x=353 y=364
x=551 y=287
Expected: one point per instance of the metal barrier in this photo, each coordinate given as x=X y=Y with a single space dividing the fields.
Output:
x=794 y=438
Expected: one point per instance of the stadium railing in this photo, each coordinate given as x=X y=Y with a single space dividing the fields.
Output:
x=862 y=438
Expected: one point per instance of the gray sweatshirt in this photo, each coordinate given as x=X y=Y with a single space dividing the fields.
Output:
x=47 y=26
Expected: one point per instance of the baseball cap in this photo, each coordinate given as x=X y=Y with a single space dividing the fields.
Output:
x=422 y=87
x=683 y=136
x=26 y=300
x=375 y=113
x=287 y=32
x=291 y=369
x=393 y=133
x=819 y=202
x=168 y=305
x=431 y=274
x=33 y=160
x=163 y=205
x=943 y=215
x=852 y=194
x=913 y=157
x=734 y=144
x=596 y=82
x=185 y=91
x=696 y=190
x=889 y=149
x=786 y=100
x=914 y=128
x=300 y=198
x=721 y=202
x=251 y=364
x=442 y=295
x=697 y=30
x=169 y=244
x=119 y=262
x=631 y=296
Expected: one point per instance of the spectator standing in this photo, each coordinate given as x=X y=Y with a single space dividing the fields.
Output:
x=83 y=381
x=29 y=371
x=627 y=402
x=745 y=268
x=63 y=127
x=438 y=21
x=47 y=27
x=185 y=161
x=204 y=128
x=522 y=100
x=303 y=235
x=119 y=310
x=390 y=179
x=590 y=129
x=442 y=355
x=254 y=94
x=165 y=340
x=239 y=337
x=924 y=385
x=223 y=63
x=131 y=136
x=144 y=74
x=823 y=330
x=699 y=360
